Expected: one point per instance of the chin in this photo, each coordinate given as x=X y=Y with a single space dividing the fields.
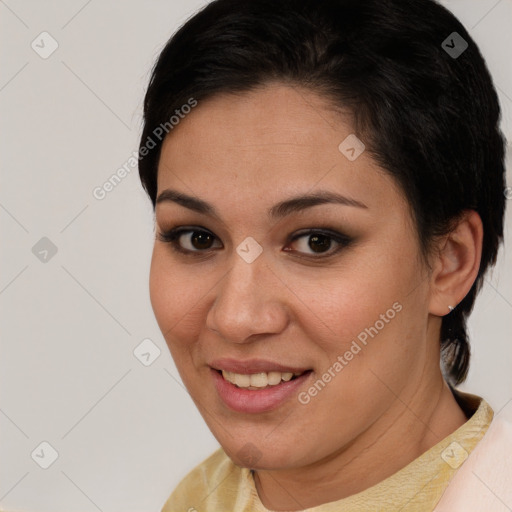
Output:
x=252 y=456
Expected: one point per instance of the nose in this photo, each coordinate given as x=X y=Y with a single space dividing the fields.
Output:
x=250 y=301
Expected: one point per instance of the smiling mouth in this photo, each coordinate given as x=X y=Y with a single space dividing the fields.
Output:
x=259 y=381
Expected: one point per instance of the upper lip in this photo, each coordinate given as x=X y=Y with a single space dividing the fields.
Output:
x=254 y=366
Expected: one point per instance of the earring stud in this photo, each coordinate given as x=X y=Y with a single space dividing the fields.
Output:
x=451 y=308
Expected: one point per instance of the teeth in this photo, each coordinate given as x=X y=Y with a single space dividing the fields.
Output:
x=258 y=380
x=273 y=378
x=242 y=381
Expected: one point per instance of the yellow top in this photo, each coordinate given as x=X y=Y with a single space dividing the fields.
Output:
x=218 y=485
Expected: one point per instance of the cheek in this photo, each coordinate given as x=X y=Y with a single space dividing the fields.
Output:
x=353 y=300
x=375 y=310
x=176 y=300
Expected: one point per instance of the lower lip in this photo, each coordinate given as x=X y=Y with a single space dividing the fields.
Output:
x=253 y=400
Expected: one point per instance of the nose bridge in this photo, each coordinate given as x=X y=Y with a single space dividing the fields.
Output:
x=248 y=267
x=246 y=302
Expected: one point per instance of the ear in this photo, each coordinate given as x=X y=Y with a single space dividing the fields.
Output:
x=456 y=264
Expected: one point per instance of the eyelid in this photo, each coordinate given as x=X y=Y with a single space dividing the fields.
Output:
x=171 y=236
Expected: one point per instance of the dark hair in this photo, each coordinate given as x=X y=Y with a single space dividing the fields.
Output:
x=429 y=117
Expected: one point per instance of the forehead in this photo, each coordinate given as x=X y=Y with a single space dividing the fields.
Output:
x=267 y=144
x=275 y=121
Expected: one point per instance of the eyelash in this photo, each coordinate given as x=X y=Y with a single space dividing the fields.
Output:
x=172 y=237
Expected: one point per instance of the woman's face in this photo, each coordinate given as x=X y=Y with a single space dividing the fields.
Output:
x=255 y=292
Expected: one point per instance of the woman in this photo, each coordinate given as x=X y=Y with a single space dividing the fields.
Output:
x=328 y=185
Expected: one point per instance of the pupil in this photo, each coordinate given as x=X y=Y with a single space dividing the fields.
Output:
x=317 y=243
x=321 y=240
x=201 y=238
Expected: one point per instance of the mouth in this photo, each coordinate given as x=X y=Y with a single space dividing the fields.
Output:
x=261 y=380
x=257 y=386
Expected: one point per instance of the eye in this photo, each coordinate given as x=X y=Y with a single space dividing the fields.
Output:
x=320 y=242
x=196 y=242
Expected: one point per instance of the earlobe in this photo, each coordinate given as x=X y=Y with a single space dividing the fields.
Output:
x=456 y=265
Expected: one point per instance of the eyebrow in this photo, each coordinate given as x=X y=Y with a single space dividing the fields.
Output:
x=279 y=210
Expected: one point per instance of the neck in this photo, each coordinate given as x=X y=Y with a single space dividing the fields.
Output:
x=424 y=418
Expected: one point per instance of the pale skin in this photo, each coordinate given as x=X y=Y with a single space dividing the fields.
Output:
x=243 y=154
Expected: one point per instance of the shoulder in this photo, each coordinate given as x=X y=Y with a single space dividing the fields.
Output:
x=484 y=481
x=201 y=488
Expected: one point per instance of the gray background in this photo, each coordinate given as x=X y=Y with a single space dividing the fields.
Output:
x=125 y=433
